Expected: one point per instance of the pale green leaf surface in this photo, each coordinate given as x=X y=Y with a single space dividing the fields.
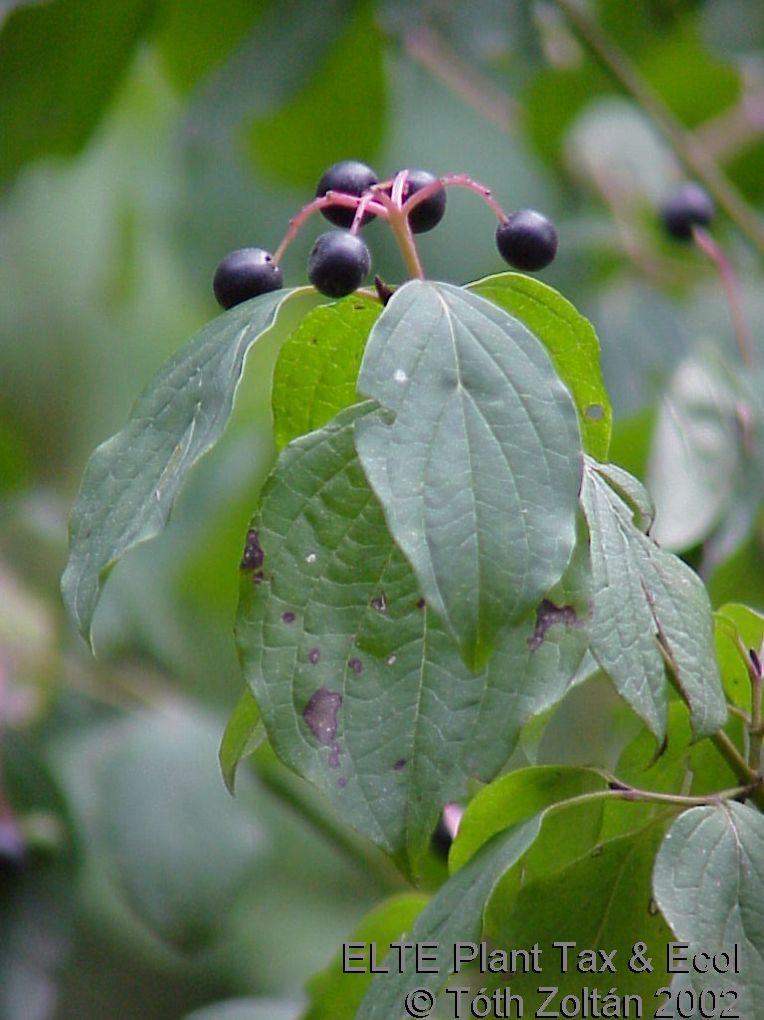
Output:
x=243 y=734
x=738 y=630
x=361 y=688
x=709 y=884
x=131 y=481
x=475 y=456
x=513 y=798
x=645 y=598
x=572 y=345
x=695 y=453
x=335 y=995
x=454 y=914
x=317 y=368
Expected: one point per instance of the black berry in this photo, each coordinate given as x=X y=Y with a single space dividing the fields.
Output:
x=244 y=274
x=527 y=240
x=687 y=207
x=338 y=263
x=428 y=213
x=352 y=178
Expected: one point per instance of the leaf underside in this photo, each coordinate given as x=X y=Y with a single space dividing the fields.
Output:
x=361 y=688
x=709 y=884
x=131 y=481
x=649 y=608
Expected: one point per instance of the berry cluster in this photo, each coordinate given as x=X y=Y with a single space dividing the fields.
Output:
x=349 y=195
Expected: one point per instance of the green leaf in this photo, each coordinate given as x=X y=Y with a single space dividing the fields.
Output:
x=132 y=480
x=514 y=798
x=361 y=688
x=297 y=142
x=317 y=368
x=49 y=103
x=648 y=603
x=335 y=994
x=695 y=453
x=600 y=901
x=475 y=456
x=243 y=735
x=738 y=631
x=177 y=846
x=454 y=914
x=193 y=39
x=247 y=1009
x=709 y=885
x=572 y=345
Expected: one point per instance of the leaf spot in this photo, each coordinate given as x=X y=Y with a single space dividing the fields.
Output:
x=380 y=602
x=314 y=655
x=356 y=665
x=321 y=713
x=401 y=763
x=253 y=555
x=594 y=412
x=547 y=615
x=288 y=616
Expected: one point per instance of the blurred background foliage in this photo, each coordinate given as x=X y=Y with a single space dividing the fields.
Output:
x=140 y=141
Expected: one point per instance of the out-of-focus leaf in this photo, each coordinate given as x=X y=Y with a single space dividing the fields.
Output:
x=177 y=846
x=362 y=690
x=60 y=64
x=247 y=1009
x=647 y=603
x=132 y=480
x=470 y=395
x=695 y=454
x=571 y=343
x=708 y=883
x=336 y=994
x=244 y=733
x=320 y=124
x=196 y=38
x=317 y=367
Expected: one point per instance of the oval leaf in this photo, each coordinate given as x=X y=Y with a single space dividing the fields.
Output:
x=571 y=342
x=475 y=456
x=709 y=884
x=361 y=688
x=132 y=480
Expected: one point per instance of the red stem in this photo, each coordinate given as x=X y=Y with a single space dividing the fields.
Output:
x=714 y=251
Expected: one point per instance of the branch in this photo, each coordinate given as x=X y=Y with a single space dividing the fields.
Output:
x=687 y=147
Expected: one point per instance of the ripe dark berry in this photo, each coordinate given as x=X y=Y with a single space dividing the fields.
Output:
x=688 y=206
x=428 y=213
x=244 y=274
x=352 y=178
x=527 y=240
x=338 y=263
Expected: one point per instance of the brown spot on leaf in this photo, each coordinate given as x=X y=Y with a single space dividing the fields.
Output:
x=253 y=555
x=547 y=615
x=401 y=763
x=342 y=781
x=356 y=665
x=288 y=616
x=421 y=604
x=321 y=713
x=314 y=655
x=379 y=602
